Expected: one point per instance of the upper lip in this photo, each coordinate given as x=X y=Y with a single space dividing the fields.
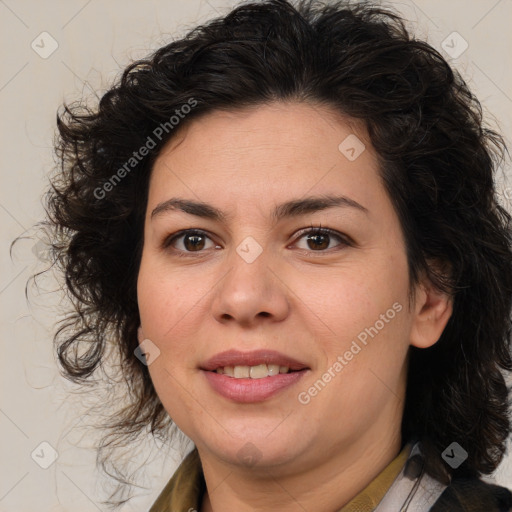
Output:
x=252 y=358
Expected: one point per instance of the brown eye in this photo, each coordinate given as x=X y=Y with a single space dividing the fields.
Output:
x=189 y=241
x=319 y=239
x=193 y=242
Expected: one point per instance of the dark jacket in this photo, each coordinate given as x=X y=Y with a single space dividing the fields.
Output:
x=472 y=495
x=414 y=490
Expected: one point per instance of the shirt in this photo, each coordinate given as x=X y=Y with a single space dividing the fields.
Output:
x=184 y=492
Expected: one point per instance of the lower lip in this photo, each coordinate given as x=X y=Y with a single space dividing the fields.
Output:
x=251 y=390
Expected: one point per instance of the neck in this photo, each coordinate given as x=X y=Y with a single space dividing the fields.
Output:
x=335 y=479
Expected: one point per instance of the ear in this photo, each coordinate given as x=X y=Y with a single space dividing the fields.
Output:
x=140 y=334
x=433 y=309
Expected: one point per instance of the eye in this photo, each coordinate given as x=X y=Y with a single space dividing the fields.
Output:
x=188 y=240
x=319 y=239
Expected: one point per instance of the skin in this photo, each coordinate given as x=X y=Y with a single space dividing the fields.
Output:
x=306 y=300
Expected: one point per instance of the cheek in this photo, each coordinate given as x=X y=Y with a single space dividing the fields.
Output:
x=368 y=315
x=167 y=303
x=342 y=304
x=360 y=313
x=166 y=299
x=362 y=371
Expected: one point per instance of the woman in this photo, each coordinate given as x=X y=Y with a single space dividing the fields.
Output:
x=287 y=222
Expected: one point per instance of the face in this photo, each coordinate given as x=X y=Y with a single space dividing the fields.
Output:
x=252 y=271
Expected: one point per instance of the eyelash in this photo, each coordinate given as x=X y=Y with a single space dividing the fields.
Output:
x=343 y=239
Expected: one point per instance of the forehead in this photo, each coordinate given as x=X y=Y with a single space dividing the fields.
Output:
x=267 y=154
x=301 y=126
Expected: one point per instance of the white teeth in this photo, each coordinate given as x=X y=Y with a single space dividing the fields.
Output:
x=273 y=369
x=253 y=372
x=258 y=372
x=241 y=372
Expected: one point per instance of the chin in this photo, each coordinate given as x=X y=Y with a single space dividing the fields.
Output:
x=255 y=448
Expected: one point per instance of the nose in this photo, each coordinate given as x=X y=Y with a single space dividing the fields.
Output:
x=251 y=292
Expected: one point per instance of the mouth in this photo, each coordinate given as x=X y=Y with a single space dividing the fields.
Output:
x=259 y=371
x=252 y=376
x=256 y=364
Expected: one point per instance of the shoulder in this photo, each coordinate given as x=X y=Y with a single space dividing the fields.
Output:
x=463 y=494
x=473 y=495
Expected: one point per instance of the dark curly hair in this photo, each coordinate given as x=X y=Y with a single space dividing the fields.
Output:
x=437 y=161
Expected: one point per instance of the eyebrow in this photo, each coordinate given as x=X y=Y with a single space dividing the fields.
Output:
x=288 y=209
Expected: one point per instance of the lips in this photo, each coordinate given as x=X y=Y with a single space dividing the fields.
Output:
x=253 y=358
x=255 y=388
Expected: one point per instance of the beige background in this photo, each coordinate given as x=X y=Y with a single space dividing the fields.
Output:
x=95 y=40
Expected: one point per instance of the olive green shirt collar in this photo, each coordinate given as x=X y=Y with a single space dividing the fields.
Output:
x=184 y=492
